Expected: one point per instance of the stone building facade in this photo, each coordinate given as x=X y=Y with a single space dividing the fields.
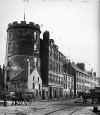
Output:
x=83 y=81
x=68 y=85
x=2 y=80
x=23 y=57
x=36 y=65
x=52 y=67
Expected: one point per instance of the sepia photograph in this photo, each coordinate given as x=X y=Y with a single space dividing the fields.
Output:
x=49 y=57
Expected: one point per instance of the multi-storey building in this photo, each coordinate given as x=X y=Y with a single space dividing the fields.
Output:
x=2 y=83
x=83 y=80
x=68 y=79
x=68 y=85
x=92 y=79
x=36 y=65
x=52 y=61
x=23 y=57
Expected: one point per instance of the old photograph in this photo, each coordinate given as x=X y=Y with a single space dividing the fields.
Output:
x=49 y=57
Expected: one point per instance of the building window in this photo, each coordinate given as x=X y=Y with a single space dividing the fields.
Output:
x=59 y=79
x=59 y=68
x=33 y=85
x=35 y=47
x=39 y=86
x=38 y=79
x=66 y=86
x=34 y=35
x=33 y=78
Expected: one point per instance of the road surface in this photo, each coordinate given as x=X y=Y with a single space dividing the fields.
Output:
x=64 y=107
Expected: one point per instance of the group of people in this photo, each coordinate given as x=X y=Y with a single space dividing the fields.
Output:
x=17 y=99
x=86 y=97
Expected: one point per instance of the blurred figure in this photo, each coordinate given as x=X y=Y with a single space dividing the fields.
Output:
x=5 y=101
x=84 y=98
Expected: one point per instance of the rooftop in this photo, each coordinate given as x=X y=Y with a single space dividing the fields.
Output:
x=23 y=24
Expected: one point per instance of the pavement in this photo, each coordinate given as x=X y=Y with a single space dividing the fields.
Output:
x=85 y=111
x=51 y=107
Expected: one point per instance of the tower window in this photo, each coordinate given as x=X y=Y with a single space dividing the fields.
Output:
x=34 y=35
x=38 y=79
x=33 y=85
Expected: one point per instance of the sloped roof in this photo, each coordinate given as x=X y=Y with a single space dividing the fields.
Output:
x=79 y=70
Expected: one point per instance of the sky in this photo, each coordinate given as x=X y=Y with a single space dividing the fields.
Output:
x=73 y=24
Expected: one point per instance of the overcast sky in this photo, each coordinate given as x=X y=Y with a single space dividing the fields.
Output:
x=73 y=25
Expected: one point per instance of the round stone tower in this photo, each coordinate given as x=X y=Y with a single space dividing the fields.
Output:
x=23 y=45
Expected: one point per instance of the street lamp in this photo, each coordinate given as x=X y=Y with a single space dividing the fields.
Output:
x=28 y=69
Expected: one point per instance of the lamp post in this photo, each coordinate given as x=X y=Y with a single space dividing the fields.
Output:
x=28 y=74
x=28 y=65
x=4 y=76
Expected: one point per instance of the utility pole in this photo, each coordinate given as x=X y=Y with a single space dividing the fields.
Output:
x=28 y=72
x=28 y=64
x=5 y=76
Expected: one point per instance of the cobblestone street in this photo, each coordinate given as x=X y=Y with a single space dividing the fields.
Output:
x=64 y=107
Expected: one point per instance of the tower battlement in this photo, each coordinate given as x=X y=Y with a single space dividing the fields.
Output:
x=23 y=24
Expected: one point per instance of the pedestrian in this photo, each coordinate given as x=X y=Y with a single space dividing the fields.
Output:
x=5 y=101
x=92 y=100
x=84 y=98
